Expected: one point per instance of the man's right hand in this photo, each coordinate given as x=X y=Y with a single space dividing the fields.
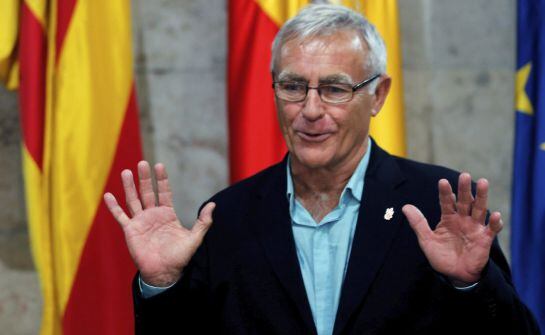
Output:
x=158 y=243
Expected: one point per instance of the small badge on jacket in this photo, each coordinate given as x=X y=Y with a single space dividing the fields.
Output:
x=389 y=214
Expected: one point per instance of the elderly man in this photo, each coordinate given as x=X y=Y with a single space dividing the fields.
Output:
x=321 y=243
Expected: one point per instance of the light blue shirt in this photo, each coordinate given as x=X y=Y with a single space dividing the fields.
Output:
x=323 y=248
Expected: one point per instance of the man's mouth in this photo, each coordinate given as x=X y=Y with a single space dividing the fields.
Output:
x=313 y=137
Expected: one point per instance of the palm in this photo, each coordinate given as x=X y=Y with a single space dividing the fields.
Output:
x=459 y=246
x=156 y=239
x=158 y=243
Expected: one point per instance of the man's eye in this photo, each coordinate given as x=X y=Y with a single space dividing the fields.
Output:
x=293 y=87
x=335 y=89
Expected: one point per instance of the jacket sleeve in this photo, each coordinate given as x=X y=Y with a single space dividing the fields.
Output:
x=182 y=308
x=494 y=302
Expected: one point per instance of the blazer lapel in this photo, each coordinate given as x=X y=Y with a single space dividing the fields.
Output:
x=273 y=228
x=376 y=228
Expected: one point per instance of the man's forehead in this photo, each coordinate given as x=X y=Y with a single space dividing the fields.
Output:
x=334 y=58
x=347 y=41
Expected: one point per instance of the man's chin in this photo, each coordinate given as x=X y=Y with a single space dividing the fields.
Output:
x=312 y=161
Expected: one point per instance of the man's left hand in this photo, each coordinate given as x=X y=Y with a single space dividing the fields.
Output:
x=459 y=247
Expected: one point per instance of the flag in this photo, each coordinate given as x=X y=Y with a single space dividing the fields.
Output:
x=528 y=201
x=255 y=140
x=9 y=28
x=80 y=128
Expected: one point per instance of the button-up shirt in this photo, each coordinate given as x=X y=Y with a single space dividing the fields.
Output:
x=323 y=248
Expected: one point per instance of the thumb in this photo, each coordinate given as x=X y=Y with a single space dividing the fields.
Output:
x=417 y=221
x=204 y=221
x=495 y=224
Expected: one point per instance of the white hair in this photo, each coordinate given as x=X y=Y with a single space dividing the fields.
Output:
x=325 y=19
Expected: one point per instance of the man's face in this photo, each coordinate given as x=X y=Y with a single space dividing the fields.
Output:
x=319 y=134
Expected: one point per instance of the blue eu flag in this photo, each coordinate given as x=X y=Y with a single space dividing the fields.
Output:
x=528 y=208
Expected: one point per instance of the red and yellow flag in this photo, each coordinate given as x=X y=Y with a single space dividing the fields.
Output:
x=255 y=141
x=9 y=24
x=80 y=128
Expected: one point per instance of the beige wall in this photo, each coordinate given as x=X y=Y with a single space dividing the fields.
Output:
x=458 y=76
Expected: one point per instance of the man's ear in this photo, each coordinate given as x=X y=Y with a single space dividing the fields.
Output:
x=381 y=92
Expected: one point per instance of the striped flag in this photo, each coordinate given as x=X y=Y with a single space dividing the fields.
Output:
x=9 y=27
x=255 y=141
x=80 y=128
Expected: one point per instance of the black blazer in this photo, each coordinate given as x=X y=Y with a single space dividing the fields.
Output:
x=245 y=277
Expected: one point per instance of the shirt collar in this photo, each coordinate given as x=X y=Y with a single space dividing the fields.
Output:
x=354 y=185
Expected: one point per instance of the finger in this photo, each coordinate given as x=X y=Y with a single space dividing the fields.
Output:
x=465 y=198
x=115 y=209
x=203 y=222
x=163 y=187
x=146 y=185
x=131 y=196
x=478 y=212
x=447 y=199
x=418 y=222
x=495 y=224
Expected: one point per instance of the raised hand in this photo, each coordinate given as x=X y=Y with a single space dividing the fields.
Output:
x=158 y=243
x=459 y=246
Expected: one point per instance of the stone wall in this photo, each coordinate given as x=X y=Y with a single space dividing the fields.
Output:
x=458 y=67
x=458 y=77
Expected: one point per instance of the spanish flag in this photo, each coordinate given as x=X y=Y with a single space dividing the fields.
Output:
x=72 y=63
x=255 y=141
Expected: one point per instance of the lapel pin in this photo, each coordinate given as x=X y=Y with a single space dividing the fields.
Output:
x=389 y=214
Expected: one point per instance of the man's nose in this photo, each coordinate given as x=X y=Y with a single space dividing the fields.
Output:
x=313 y=107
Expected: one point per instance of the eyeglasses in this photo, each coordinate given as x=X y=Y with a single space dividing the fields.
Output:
x=294 y=91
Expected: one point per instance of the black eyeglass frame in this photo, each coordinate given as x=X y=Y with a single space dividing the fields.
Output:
x=355 y=87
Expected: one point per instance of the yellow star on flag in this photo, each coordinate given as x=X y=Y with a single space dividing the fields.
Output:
x=522 y=102
x=542 y=146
